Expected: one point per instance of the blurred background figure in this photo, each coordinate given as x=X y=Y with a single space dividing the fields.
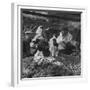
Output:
x=52 y=47
x=38 y=33
x=60 y=40
x=37 y=36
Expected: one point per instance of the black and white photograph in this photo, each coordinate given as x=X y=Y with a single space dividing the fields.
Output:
x=50 y=43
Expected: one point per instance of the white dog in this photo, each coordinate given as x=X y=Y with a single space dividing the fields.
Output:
x=38 y=57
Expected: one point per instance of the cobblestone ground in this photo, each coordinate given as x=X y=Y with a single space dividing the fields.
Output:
x=65 y=65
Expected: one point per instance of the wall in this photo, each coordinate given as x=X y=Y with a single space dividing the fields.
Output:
x=5 y=46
